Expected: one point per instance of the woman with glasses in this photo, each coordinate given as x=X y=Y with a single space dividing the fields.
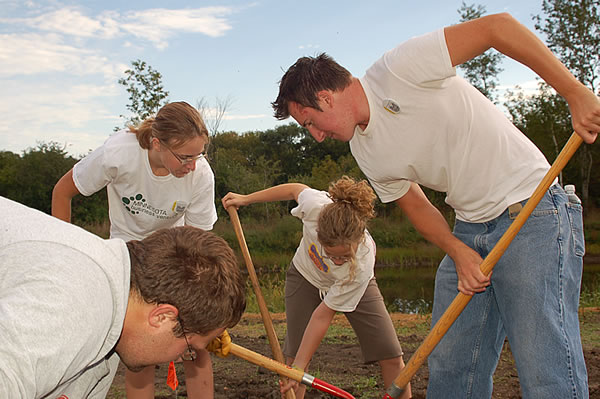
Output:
x=156 y=177
x=332 y=271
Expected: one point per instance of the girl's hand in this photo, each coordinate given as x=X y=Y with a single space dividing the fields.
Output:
x=233 y=199
x=291 y=384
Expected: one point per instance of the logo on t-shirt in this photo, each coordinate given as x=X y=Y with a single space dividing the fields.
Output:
x=137 y=204
x=391 y=106
x=179 y=206
x=131 y=201
x=317 y=259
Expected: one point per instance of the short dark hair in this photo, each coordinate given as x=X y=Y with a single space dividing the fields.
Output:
x=194 y=270
x=305 y=79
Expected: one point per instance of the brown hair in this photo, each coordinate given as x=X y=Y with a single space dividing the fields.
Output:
x=174 y=124
x=344 y=221
x=305 y=79
x=194 y=270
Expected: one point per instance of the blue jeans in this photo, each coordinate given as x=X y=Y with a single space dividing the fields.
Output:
x=533 y=301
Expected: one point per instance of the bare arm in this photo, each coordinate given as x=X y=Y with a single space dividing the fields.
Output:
x=199 y=379
x=282 y=192
x=508 y=36
x=428 y=220
x=62 y=194
x=313 y=335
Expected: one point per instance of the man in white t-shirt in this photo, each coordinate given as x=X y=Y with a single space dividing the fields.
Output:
x=411 y=120
x=73 y=304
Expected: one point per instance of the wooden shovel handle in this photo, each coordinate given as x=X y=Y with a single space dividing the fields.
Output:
x=458 y=304
x=288 y=372
x=267 y=363
x=264 y=311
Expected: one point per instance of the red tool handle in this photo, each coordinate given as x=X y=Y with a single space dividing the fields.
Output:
x=330 y=389
x=287 y=371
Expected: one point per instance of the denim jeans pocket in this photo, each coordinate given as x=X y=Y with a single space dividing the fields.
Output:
x=575 y=213
x=544 y=212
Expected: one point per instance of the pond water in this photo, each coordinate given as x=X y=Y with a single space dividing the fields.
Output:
x=410 y=290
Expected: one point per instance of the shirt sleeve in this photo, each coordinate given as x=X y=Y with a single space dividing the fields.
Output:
x=423 y=60
x=202 y=212
x=310 y=203
x=390 y=190
x=93 y=172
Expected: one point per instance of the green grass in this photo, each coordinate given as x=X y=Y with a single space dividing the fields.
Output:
x=367 y=386
x=273 y=292
x=590 y=298
x=420 y=328
x=422 y=254
x=339 y=334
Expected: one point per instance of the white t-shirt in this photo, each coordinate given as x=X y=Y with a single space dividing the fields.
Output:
x=340 y=294
x=429 y=126
x=63 y=298
x=139 y=201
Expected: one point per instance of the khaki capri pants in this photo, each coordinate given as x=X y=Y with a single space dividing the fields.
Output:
x=370 y=320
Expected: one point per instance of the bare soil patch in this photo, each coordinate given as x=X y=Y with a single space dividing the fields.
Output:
x=338 y=361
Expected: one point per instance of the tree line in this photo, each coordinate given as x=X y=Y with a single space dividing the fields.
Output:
x=256 y=160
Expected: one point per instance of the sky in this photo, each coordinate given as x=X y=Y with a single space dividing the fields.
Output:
x=60 y=61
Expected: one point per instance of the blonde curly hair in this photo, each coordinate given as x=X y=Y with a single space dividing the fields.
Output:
x=343 y=222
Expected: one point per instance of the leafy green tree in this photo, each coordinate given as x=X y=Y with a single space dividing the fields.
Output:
x=146 y=92
x=36 y=173
x=313 y=152
x=231 y=170
x=323 y=173
x=281 y=144
x=234 y=171
x=9 y=164
x=267 y=174
x=572 y=30
x=481 y=71
x=29 y=179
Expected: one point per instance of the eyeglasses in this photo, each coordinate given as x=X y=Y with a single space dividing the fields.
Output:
x=190 y=353
x=344 y=259
x=338 y=258
x=183 y=159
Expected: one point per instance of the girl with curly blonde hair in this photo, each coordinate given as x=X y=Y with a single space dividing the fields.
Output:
x=332 y=271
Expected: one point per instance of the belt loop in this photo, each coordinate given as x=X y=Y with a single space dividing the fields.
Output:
x=514 y=209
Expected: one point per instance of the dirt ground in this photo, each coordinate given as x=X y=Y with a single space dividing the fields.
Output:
x=338 y=361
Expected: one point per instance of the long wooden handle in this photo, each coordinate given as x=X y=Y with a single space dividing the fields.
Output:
x=267 y=363
x=264 y=312
x=288 y=372
x=458 y=304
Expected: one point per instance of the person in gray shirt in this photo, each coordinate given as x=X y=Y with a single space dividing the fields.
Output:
x=73 y=304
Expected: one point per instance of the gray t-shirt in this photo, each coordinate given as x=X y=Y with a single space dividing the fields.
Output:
x=63 y=297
